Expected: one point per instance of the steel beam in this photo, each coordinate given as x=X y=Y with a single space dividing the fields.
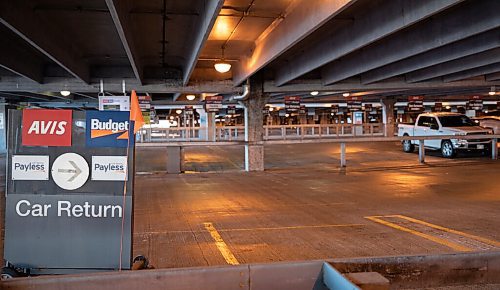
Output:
x=301 y=19
x=21 y=19
x=469 y=46
x=316 y=85
x=388 y=18
x=205 y=25
x=455 y=66
x=17 y=84
x=479 y=71
x=493 y=77
x=120 y=15
x=467 y=20
x=21 y=62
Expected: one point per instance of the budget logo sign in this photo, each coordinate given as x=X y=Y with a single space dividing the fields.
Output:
x=46 y=127
x=108 y=129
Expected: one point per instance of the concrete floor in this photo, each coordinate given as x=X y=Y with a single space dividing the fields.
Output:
x=304 y=207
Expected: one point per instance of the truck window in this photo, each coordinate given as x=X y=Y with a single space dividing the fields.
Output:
x=423 y=121
x=456 y=121
x=433 y=123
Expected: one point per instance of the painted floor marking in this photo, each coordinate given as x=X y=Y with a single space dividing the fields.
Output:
x=257 y=229
x=442 y=241
x=221 y=245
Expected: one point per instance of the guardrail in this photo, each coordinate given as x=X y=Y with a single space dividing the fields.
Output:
x=271 y=132
x=342 y=140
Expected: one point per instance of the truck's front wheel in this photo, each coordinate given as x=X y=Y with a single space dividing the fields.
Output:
x=407 y=146
x=447 y=149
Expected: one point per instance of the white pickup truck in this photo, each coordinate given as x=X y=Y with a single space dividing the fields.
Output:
x=435 y=124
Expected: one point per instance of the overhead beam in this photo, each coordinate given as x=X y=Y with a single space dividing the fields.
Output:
x=206 y=22
x=301 y=19
x=469 y=46
x=388 y=18
x=469 y=19
x=20 y=62
x=21 y=95
x=317 y=85
x=21 y=19
x=119 y=11
x=176 y=96
x=454 y=66
x=17 y=84
x=493 y=77
x=474 y=72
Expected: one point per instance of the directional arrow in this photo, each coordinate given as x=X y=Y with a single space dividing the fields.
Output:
x=76 y=171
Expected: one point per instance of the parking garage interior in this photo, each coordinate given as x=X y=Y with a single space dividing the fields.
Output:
x=273 y=136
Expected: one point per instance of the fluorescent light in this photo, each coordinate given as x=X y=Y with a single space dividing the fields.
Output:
x=222 y=66
x=65 y=93
x=179 y=111
x=314 y=93
x=346 y=95
x=190 y=97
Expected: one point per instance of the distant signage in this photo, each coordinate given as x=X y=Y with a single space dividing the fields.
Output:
x=108 y=129
x=111 y=168
x=213 y=103
x=415 y=104
x=354 y=103
x=302 y=110
x=231 y=110
x=30 y=167
x=265 y=111
x=292 y=104
x=46 y=127
x=334 y=109
x=114 y=103
x=188 y=110
x=438 y=107
x=475 y=103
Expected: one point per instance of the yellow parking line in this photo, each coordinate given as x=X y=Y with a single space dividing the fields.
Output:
x=444 y=242
x=474 y=237
x=221 y=245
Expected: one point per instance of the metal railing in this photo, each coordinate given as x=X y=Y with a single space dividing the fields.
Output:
x=271 y=132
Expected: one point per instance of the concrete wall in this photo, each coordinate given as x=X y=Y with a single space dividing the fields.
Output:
x=407 y=271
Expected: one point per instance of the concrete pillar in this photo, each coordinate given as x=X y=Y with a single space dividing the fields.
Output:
x=254 y=130
x=207 y=121
x=388 y=116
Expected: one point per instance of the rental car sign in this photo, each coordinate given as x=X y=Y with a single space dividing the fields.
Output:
x=46 y=127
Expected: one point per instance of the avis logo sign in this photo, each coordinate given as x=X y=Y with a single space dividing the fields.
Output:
x=46 y=127
x=108 y=129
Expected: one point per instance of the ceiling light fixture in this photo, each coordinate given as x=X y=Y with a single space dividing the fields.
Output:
x=314 y=93
x=178 y=111
x=190 y=97
x=65 y=93
x=492 y=91
x=222 y=65
x=346 y=94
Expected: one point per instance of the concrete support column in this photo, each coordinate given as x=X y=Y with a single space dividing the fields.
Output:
x=210 y=126
x=254 y=130
x=388 y=116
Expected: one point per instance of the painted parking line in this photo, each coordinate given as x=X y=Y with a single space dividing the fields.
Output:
x=457 y=240
x=221 y=245
x=299 y=227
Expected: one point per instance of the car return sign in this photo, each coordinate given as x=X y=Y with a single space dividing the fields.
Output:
x=65 y=203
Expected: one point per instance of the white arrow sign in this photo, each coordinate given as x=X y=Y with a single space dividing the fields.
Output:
x=70 y=171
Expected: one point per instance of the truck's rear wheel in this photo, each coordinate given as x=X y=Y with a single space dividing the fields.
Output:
x=447 y=149
x=407 y=146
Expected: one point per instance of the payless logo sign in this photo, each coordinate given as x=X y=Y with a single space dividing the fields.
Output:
x=108 y=129
x=46 y=127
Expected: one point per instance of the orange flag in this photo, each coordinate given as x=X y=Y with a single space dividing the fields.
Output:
x=135 y=112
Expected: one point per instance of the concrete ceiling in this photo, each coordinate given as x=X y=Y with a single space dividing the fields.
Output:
x=377 y=48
